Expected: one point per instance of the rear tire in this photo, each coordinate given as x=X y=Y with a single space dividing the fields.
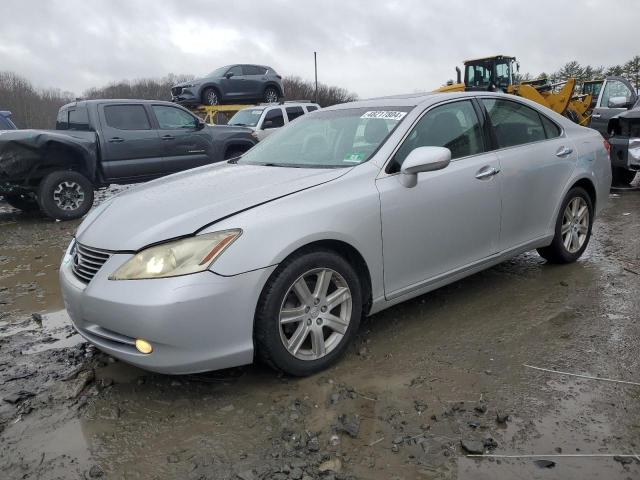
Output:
x=211 y=97
x=573 y=228
x=621 y=176
x=24 y=202
x=324 y=324
x=271 y=95
x=65 y=195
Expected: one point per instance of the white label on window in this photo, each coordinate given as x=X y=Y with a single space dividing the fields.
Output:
x=384 y=114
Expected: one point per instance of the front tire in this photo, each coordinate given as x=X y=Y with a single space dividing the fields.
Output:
x=65 y=195
x=622 y=177
x=573 y=228
x=308 y=313
x=211 y=97
x=24 y=202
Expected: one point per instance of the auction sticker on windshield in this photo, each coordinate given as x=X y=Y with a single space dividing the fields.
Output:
x=384 y=114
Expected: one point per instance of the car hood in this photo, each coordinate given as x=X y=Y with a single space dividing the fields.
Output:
x=183 y=203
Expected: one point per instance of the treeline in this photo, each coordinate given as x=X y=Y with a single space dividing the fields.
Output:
x=629 y=70
x=37 y=108
x=31 y=107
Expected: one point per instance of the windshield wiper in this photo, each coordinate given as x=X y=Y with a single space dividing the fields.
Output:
x=238 y=124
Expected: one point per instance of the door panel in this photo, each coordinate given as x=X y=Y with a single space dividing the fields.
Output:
x=184 y=145
x=602 y=113
x=131 y=148
x=533 y=179
x=235 y=86
x=448 y=220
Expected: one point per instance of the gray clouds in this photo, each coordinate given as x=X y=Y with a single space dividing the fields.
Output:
x=369 y=47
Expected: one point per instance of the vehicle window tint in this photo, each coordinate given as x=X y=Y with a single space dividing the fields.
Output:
x=62 y=120
x=127 y=117
x=453 y=125
x=550 y=129
x=79 y=119
x=237 y=70
x=614 y=88
x=172 y=118
x=275 y=116
x=253 y=70
x=294 y=112
x=311 y=108
x=513 y=122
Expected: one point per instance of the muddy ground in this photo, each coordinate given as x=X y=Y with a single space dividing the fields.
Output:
x=424 y=378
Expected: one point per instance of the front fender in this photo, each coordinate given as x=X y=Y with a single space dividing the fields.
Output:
x=346 y=210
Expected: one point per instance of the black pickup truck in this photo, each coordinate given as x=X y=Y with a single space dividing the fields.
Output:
x=102 y=142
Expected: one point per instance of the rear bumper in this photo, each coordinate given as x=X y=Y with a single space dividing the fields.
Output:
x=196 y=323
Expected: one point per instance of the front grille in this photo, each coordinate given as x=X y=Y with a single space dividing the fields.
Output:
x=175 y=91
x=87 y=261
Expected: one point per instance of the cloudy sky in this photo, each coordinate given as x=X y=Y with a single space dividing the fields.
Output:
x=371 y=47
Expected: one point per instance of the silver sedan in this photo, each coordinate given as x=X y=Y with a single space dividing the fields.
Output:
x=343 y=213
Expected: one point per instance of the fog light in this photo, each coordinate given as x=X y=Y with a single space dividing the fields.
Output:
x=143 y=346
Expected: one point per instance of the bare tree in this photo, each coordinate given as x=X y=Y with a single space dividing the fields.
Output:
x=296 y=88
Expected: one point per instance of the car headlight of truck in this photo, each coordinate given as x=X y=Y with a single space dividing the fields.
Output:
x=180 y=257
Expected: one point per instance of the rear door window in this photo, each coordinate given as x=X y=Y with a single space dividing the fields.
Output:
x=275 y=117
x=311 y=108
x=294 y=112
x=127 y=117
x=514 y=123
x=254 y=70
x=79 y=119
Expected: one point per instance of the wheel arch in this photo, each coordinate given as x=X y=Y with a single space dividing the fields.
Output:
x=589 y=187
x=350 y=254
x=60 y=156
x=205 y=87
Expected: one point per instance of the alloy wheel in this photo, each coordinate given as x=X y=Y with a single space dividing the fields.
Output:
x=212 y=97
x=68 y=195
x=315 y=314
x=271 y=96
x=575 y=224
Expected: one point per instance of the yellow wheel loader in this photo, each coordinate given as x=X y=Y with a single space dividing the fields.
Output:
x=495 y=74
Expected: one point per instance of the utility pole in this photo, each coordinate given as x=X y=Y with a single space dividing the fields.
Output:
x=315 y=63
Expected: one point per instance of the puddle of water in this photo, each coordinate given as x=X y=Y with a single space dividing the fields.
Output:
x=56 y=328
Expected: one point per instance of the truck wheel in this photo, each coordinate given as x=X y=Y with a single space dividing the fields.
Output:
x=65 y=195
x=622 y=176
x=24 y=202
x=210 y=97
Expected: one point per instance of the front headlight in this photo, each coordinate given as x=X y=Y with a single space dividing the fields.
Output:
x=189 y=85
x=180 y=257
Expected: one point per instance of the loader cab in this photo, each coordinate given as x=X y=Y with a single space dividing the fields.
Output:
x=489 y=74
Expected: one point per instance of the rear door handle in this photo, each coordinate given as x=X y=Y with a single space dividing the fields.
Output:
x=487 y=172
x=167 y=137
x=564 y=151
x=116 y=140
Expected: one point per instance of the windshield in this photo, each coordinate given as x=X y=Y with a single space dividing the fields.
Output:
x=246 y=118
x=328 y=138
x=218 y=72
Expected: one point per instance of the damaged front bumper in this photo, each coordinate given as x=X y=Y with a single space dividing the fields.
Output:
x=625 y=152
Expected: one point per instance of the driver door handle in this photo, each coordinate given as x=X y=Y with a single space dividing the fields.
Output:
x=116 y=140
x=167 y=137
x=485 y=172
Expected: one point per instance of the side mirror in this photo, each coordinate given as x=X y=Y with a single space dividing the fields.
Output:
x=268 y=124
x=228 y=75
x=423 y=159
x=618 y=102
x=200 y=125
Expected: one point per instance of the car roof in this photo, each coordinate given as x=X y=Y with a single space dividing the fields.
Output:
x=84 y=103
x=5 y=113
x=424 y=99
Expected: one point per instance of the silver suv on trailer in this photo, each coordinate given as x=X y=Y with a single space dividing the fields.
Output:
x=264 y=119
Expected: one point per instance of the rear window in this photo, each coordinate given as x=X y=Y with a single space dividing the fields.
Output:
x=514 y=123
x=127 y=117
x=294 y=112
